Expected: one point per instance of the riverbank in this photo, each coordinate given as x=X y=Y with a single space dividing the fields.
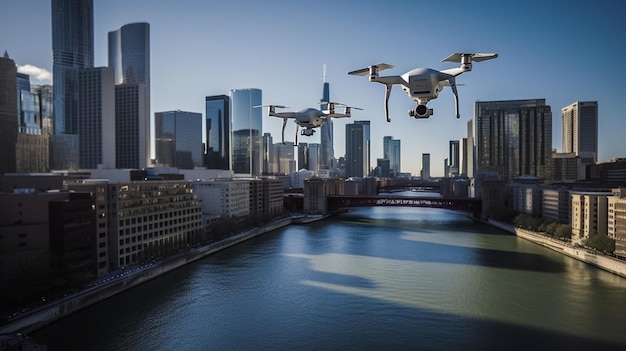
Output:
x=607 y=263
x=101 y=290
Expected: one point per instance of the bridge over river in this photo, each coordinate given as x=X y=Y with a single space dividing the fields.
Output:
x=470 y=205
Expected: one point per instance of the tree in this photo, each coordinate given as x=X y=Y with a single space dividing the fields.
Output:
x=563 y=231
x=600 y=242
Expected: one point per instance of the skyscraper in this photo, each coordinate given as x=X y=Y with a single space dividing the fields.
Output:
x=218 y=132
x=391 y=152
x=178 y=139
x=72 y=49
x=580 y=129
x=8 y=113
x=129 y=56
x=513 y=138
x=96 y=130
x=247 y=146
x=454 y=163
x=357 y=149
x=426 y=166
x=327 y=152
x=268 y=153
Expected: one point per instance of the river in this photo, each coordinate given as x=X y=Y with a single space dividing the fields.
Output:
x=372 y=278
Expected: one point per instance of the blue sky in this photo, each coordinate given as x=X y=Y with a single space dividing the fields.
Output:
x=561 y=51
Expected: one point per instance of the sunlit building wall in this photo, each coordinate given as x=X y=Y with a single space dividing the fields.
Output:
x=580 y=129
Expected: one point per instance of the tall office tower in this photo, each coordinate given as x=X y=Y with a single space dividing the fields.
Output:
x=454 y=163
x=247 y=146
x=218 y=132
x=32 y=147
x=178 y=139
x=303 y=156
x=580 y=129
x=471 y=150
x=314 y=155
x=8 y=114
x=327 y=152
x=268 y=153
x=45 y=97
x=357 y=149
x=72 y=49
x=463 y=156
x=513 y=138
x=284 y=156
x=129 y=56
x=426 y=166
x=96 y=130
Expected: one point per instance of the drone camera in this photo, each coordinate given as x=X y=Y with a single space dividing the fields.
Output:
x=421 y=111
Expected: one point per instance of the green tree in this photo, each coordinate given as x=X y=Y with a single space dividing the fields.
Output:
x=600 y=242
x=563 y=231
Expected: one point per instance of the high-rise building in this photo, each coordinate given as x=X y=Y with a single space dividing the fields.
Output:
x=218 y=132
x=454 y=163
x=327 y=152
x=129 y=56
x=303 y=156
x=178 y=139
x=268 y=153
x=72 y=49
x=357 y=149
x=513 y=138
x=285 y=162
x=247 y=146
x=96 y=130
x=8 y=113
x=580 y=129
x=426 y=166
x=391 y=152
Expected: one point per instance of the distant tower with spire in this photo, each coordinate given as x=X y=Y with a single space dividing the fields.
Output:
x=327 y=153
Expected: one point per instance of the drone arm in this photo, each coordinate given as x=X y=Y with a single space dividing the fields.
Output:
x=456 y=96
x=387 y=94
x=284 y=124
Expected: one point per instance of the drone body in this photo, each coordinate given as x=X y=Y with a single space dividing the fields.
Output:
x=309 y=118
x=423 y=84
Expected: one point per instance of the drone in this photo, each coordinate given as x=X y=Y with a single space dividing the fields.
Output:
x=309 y=118
x=423 y=84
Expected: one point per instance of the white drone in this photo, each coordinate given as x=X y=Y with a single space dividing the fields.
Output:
x=309 y=118
x=423 y=84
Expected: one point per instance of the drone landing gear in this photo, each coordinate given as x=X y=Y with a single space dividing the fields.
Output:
x=307 y=132
x=421 y=111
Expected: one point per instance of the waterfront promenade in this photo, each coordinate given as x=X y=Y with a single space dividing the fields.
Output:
x=599 y=260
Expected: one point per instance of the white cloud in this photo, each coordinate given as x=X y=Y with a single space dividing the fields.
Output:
x=40 y=74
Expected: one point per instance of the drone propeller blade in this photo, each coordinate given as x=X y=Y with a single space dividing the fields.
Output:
x=373 y=68
x=458 y=57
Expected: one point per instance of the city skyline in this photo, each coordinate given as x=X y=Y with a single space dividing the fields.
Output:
x=287 y=64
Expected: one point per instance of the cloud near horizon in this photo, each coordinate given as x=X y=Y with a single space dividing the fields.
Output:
x=40 y=74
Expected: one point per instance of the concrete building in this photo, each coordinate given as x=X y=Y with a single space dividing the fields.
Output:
x=8 y=114
x=317 y=189
x=425 y=166
x=617 y=220
x=580 y=129
x=223 y=198
x=589 y=214
x=556 y=204
x=357 y=149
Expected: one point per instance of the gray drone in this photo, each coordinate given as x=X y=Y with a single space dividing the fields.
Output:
x=309 y=118
x=423 y=84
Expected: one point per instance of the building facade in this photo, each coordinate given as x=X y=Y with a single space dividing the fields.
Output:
x=327 y=151
x=357 y=149
x=425 y=166
x=218 y=132
x=589 y=214
x=247 y=145
x=8 y=114
x=617 y=220
x=513 y=138
x=580 y=129
x=178 y=139
x=96 y=130
x=129 y=56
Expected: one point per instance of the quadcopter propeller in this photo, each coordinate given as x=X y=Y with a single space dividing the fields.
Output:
x=458 y=57
x=373 y=69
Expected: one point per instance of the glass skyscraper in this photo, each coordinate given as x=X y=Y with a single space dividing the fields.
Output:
x=391 y=152
x=513 y=138
x=357 y=149
x=218 y=132
x=72 y=49
x=129 y=56
x=327 y=152
x=247 y=125
x=178 y=139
